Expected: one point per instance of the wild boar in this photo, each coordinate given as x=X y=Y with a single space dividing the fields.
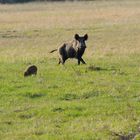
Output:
x=32 y=70
x=74 y=49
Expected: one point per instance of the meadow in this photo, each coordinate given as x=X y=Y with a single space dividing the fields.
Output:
x=71 y=102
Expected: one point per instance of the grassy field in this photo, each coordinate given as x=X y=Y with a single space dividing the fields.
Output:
x=70 y=102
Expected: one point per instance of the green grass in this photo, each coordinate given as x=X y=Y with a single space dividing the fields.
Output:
x=70 y=102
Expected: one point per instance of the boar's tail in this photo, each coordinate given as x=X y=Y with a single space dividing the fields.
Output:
x=53 y=50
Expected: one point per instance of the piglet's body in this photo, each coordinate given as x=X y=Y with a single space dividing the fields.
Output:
x=32 y=70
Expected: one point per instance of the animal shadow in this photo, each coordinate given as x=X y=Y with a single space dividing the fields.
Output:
x=95 y=68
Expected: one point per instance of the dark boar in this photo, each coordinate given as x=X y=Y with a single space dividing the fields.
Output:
x=32 y=70
x=74 y=49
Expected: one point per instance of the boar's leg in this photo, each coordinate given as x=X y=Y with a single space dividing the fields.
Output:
x=81 y=59
x=59 y=61
x=78 y=61
x=62 y=60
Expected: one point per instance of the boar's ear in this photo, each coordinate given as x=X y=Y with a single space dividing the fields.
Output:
x=86 y=37
x=76 y=36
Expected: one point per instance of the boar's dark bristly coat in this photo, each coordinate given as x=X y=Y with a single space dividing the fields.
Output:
x=74 y=49
x=32 y=70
